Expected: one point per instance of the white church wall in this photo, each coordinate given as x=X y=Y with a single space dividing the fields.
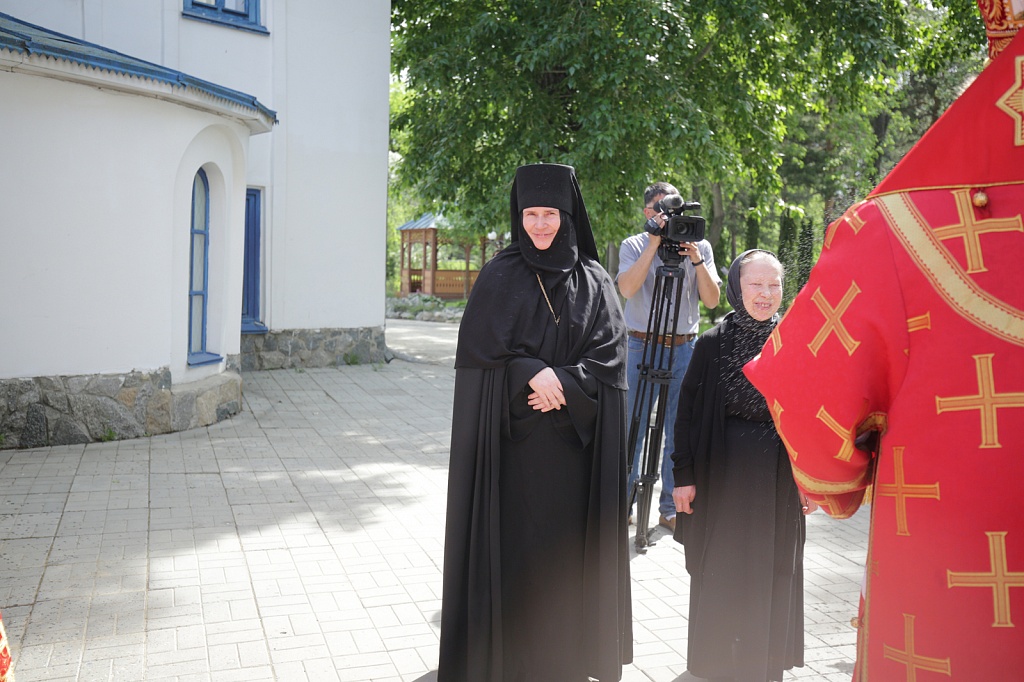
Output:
x=323 y=65
x=93 y=217
x=63 y=16
x=327 y=251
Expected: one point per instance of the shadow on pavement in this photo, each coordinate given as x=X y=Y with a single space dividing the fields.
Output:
x=429 y=677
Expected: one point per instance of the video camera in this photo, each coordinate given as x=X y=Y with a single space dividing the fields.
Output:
x=679 y=227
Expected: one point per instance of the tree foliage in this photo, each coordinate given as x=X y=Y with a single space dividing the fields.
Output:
x=777 y=116
x=627 y=91
x=834 y=156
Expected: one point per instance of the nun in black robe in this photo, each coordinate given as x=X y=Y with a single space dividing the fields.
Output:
x=744 y=540
x=536 y=572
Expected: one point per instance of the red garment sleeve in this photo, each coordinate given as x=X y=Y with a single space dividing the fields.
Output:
x=830 y=369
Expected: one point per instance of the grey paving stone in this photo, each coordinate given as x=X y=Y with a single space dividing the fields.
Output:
x=301 y=540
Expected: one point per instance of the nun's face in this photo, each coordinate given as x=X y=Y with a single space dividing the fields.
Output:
x=761 y=287
x=541 y=224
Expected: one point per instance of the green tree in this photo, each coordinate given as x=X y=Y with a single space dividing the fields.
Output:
x=403 y=202
x=835 y=156
x=628 y=91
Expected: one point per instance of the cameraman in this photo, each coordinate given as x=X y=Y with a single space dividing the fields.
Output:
x=638 y=265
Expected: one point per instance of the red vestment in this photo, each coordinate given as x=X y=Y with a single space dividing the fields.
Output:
x=912 y=325
x=5 y=654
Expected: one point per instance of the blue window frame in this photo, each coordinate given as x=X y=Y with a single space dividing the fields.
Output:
x=198 y=276
x=251 y=273
x=244 y=14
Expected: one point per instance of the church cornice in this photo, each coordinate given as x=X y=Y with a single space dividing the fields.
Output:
x=32 y=50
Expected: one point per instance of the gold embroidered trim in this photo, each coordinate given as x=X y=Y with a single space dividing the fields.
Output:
x=947 y=277
x=818 y=486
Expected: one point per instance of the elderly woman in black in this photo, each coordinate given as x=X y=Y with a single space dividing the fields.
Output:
x=741 y=515
x=536 y=573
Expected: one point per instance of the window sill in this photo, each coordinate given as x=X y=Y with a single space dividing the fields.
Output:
x=224 y=20
x=253 y=327
x=200 y=359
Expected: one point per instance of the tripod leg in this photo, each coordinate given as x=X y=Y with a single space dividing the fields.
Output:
x=641 y=400
x=645 y=481
x=664 y=318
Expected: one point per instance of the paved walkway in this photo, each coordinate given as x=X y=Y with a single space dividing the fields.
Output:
x=301 y=540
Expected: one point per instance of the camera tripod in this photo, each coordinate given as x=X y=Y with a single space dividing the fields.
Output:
x=655 y=375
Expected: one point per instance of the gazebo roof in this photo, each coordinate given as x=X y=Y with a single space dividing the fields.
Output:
x=425 y=221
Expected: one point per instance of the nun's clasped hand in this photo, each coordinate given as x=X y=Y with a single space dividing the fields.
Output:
x=547 y=391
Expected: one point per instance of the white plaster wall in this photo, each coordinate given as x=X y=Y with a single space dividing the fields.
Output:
x=324 y=68
x=91 y=274
x=323 y=170
x=326 y=246
x=63 y=16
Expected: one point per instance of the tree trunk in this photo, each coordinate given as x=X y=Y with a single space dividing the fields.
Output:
x=753 y=232
x=717 y=215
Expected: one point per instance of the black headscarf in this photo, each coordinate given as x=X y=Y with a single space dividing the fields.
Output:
x=748 y=339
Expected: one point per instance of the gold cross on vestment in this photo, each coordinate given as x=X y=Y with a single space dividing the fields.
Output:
x=846 y=435
x=834 y=320
x=998 y=577
x=909 y=656
x=970 y=229
x=852 y=219
x=833 y=506
x=777 y=410
x=919 y=323
x=1012 y=102
x=987 y=401
x=901 y=490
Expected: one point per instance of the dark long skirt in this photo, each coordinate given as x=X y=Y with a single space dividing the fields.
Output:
x=746 y=604
x=544 y=485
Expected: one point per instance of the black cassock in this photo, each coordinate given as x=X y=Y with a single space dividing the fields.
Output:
x=536 y=560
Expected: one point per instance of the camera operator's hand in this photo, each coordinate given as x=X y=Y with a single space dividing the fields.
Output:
x=654 y=227
x=690 y=250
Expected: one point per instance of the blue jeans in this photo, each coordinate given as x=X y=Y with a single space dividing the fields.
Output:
x=680 y=361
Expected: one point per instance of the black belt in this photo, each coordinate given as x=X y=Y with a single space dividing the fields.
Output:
x=666 y=340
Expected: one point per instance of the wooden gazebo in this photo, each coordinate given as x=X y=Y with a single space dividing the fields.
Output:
x=420 y=273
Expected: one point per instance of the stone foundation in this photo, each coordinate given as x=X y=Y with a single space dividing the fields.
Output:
x=313 y=348
x=63 y=410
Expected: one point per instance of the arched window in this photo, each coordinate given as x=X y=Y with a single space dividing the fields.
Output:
x=198 y=289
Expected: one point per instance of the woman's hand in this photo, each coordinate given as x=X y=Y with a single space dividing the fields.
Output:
x=683 y=497
x=807 y=505
x=547 y=391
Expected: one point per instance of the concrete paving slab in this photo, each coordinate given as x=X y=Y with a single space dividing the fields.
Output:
x=302 y=540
